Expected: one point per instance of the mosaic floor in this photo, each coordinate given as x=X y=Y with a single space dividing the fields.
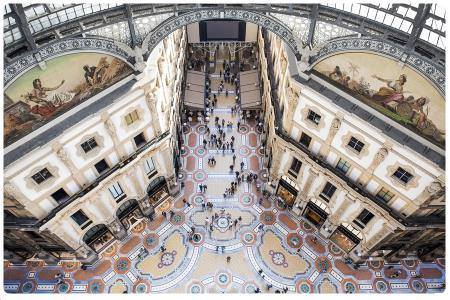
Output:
x=281 y=254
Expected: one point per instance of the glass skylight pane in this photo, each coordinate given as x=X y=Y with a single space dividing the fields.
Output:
x=364 y=10
x=411 y=14
x=433 y=38
x=406 y=26
x=424 y=34
x=372 y=13
x=440 y=11
x=380 y=16
x=402 y=10
x=397 y=22
x=356 y=8
x=45 y=22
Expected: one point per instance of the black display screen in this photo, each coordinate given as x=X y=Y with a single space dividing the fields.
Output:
x=222 y=30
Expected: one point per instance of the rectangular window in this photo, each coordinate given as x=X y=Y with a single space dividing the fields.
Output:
x=356 y=144
x=79 y=217
x=343 y=165
x=132 y=117
x=42 y=176
x=364 y=217
x=116 y=190
x=60 y=195
x=89 y=145
x=385 y=195
x=313 y=117
x=305 y=140
x=327 y=192
x=139 y=140
x=402 y=175
x=295 y=167
x=149 y=166
x=101 y=166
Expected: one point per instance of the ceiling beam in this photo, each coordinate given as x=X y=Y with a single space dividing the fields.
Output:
x=133 y=34
x=423 y=12
x=21 y=20
x=312 y=24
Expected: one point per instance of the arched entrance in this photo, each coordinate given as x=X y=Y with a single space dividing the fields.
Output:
x=157 y=191
x=258 y=18
x=129 y=213
x=98 y=237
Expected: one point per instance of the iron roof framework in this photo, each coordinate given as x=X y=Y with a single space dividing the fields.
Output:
x=419 y=29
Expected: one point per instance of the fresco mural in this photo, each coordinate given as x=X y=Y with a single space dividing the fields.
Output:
x=41 y=95
x=395 y=90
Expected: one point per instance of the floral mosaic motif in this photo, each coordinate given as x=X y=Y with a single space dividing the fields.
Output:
x=27 y=287
x=150 y=240
x=198 y=200
x=304 y=288
x=243 y=129
x=63 y=288
x=244 y=151
x=177 y=218
x=122 y=265
x=278 y=258
x=141 y=288
x=350 y=287
x=196 y=289
x=95 y=288
x=197 y=237
x=418 y=286
x=199 y=175
x=381 y=286
x=294 y=240
x=167 y=258
x=249 y=237
x=223 y=278
x=250 y=288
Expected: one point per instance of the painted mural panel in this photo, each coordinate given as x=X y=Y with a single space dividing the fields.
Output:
x=395 y=90
x=41 y=95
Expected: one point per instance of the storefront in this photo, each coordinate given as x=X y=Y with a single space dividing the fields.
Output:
x=157 y=191
x=98 y=237
x=346 y=237
x=287 y=190
x=316 y=212
x=129 y=213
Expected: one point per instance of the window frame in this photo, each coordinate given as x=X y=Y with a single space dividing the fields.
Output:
x=325 y=195
x=405 y=173
x=44 y=178
x=356 y=144
x=131 y=117
x=385 y=192
x=89 y=143
x=313 y=118
x=116 y=188
x=82 y=224
x=345 y=164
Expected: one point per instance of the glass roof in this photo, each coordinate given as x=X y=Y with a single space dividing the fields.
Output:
x=41 y=17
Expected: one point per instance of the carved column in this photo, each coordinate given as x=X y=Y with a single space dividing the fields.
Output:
x=335 y=125
x=370 y=243
x=151 y=104
x=79 y=177
x=292 y=97
x=336 y=218
x=132 y=175
x=312 y=176
x=112 y=132
x=380 y=156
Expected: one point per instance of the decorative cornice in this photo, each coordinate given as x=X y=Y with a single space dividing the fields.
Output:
x=434 y=73
x=58 y=48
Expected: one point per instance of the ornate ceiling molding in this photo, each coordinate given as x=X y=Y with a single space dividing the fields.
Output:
x=353 y=44
x=17 y=67
x=266 y=21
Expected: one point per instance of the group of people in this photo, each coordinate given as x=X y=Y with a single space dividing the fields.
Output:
x=203 y=188
x=211 y=161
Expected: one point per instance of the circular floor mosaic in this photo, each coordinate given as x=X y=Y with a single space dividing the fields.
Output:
x=278 y=258
x=151 y=240
x=417 y=285
x=381 y=286
x=167 y=258
x=197 y=238
x=196 y=289
x=122 y=265
x=198 y=200
x=294 y=240
x=27 y=287
x=246 y=199
x=223 y=223
x=223 y=278
x=249 y=237
x=63 y=288
x=201 y=129
x=350 y=287
x=304 y=288
x=244 y=129
x=244 y=150
x=141 y=288
x=200 y=175
x=177 y=219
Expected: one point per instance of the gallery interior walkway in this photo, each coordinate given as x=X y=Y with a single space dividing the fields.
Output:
x=268 y=250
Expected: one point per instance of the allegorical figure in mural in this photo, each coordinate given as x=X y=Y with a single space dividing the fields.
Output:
x=46 y=103
x=392 y=92
x=94 y=74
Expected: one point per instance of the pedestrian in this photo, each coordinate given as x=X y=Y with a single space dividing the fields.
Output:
x=234 y=159
x=228 y=259
x=242 y=165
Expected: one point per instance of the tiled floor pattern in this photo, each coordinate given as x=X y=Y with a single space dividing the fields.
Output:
x=281 y=253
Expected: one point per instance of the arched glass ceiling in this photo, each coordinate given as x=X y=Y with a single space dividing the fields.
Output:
x=401 y=16
x=49 y=21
